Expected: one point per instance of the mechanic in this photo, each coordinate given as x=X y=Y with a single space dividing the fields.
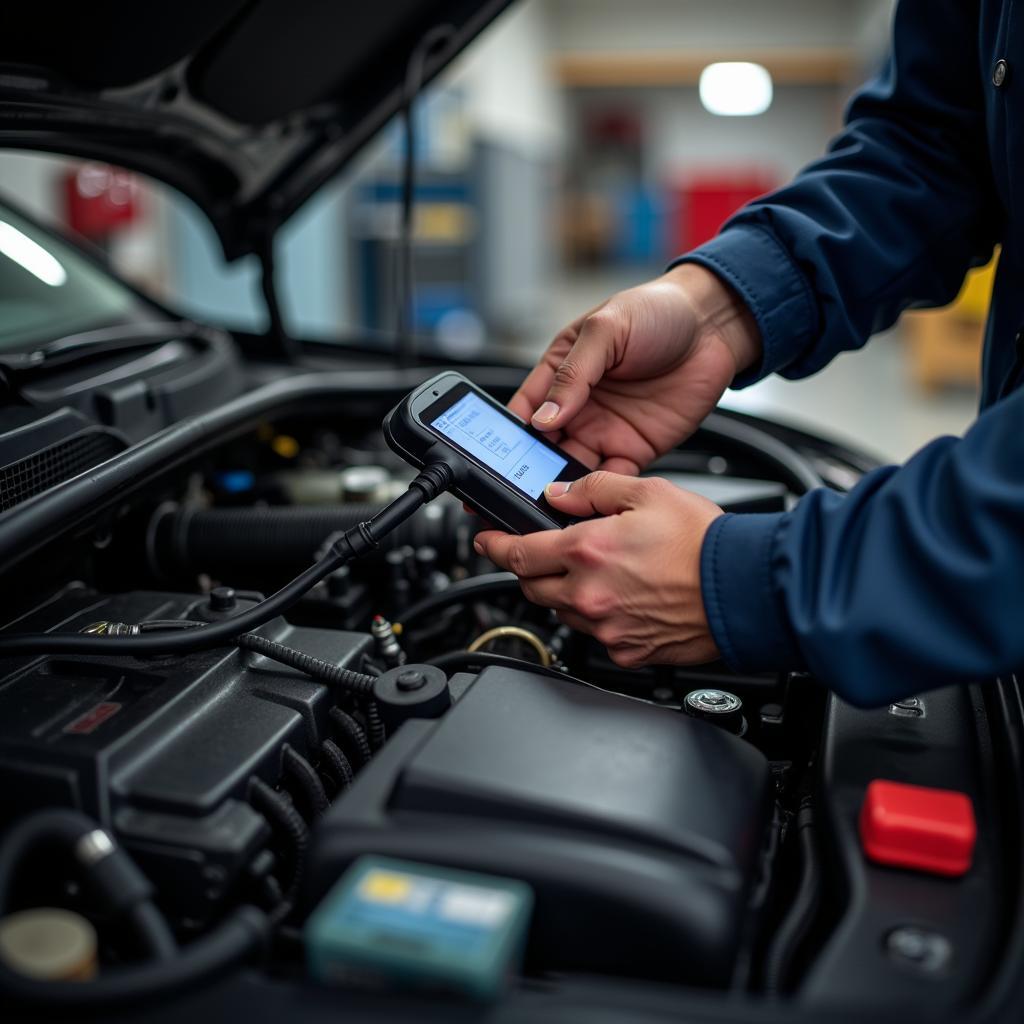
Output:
x=914 y=578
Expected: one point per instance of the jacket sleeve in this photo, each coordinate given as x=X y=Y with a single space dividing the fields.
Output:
x=893 y=216
x=913 y=580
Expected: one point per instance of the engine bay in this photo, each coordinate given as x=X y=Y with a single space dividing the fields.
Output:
x=693 y=830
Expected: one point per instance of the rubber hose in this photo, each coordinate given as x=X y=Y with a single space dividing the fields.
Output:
x=472 y=589
x=114 y=878
x=795 y=471
x=51 y=825
x=280 y=813
x=304 y=774
x=352 y=736
x=797 y=922
x=222 y=541
x=323 y=671
x=153 y=931
x=241 y=934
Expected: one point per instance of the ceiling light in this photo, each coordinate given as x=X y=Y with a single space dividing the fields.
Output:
x=30 y=256
x=735 y=89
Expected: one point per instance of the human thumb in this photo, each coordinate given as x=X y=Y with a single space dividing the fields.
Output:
x=601 y=492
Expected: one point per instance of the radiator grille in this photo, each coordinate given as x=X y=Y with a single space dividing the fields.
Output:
x=39 y=472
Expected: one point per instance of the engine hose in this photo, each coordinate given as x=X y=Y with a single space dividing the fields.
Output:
x=153 y=931
x=243 y=933
x=305 y=776
x=323 y=671
x=794 y=470
x=472 y=589
x=797 y=922
x=431 y=481
x=286 y=821
x=221 y=541
x=113 y=877
x=352 y=737
x=337 y=764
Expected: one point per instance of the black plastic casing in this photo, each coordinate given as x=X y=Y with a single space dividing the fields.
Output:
x=160 y=750
x=640 y=830
x=487 y=493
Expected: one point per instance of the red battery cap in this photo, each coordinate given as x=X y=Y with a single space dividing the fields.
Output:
x=918 y=827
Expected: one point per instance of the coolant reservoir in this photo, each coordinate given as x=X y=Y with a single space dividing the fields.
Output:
x=49 y=944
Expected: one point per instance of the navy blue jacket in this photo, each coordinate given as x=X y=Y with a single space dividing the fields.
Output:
x=916 y=578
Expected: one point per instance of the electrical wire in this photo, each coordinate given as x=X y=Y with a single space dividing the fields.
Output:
x=461 y=661
x=345 y=679
x=352 y=737
x=431 y=481
x=795 y=926
x=378 y=734
x=305 y=777
x=336 y=765
x=286 y=821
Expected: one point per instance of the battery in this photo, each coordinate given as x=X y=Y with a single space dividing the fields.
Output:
x=394 y=924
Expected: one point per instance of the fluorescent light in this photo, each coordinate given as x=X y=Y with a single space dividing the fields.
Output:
x=30 y=255
x=735 y=89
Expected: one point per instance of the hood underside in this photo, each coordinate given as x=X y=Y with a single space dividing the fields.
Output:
x=246 y=107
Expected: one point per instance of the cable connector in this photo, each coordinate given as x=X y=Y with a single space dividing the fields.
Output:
x=436 y=477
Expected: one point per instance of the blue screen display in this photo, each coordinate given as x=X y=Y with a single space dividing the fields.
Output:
x=500 y=443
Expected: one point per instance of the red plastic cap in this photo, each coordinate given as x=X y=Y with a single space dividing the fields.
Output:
x=918 y=827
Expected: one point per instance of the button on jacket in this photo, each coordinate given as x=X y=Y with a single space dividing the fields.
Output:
x=916 y=578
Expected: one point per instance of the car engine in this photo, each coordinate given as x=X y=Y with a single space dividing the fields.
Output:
x=412 y=705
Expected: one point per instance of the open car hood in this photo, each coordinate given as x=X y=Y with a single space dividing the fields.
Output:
x=246 y=107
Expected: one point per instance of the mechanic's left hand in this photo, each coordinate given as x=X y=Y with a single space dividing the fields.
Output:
x=631 y=579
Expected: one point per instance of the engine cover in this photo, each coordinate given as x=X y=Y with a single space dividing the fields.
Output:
x=160 y=750
x=639 y=829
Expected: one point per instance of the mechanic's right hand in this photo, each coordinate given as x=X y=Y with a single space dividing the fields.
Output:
x=635 y=376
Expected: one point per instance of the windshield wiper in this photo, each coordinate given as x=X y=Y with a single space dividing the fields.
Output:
x=120 y=338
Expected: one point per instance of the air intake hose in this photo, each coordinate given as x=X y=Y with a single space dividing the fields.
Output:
x=226 y=542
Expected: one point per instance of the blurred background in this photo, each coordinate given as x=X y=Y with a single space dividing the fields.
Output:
x=575 y=148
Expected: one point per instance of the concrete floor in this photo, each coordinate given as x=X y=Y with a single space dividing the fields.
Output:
x=866 y=399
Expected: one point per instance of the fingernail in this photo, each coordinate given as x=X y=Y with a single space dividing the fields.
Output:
x=546 y=413
x=557 y=488
x=478 y=547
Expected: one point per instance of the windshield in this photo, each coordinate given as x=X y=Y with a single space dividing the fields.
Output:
x=48 y=290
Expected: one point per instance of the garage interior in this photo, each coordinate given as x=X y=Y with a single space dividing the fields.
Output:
x=565 y=155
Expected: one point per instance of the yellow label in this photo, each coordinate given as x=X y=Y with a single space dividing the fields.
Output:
x=384 y=887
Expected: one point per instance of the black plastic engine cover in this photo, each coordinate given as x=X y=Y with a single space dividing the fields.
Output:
x=639 y=829
x=160 y=750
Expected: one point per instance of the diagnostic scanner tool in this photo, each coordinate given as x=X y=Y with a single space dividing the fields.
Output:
x=501 y=465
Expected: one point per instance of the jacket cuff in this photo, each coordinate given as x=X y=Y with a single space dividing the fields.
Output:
x=746 y=614
x=759 y=267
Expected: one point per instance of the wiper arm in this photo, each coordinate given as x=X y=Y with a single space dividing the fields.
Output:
x=121 y=338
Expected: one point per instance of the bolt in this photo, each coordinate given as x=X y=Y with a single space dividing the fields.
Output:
x=411 y=679
x=919 y=948
x=222 y=599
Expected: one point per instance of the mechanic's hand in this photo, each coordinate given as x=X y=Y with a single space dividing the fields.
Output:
x=632 y=579
x=635 y=376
